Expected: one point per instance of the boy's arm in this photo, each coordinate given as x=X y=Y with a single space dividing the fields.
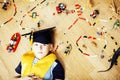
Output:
x=58 y=79
x=58 y=72
x=18 y=71
x=28 y=77
x=18 y=68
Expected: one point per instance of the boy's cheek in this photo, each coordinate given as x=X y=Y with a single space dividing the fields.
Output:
x=35 y=49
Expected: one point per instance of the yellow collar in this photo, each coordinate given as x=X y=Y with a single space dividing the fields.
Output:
x=40 y=68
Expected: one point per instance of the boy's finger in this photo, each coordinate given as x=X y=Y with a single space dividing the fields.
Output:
x=31 y=75
x=36 y=78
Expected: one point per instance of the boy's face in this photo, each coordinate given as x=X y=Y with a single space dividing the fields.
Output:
x=41 y=50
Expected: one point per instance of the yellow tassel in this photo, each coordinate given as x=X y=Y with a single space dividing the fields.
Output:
x=31 y=40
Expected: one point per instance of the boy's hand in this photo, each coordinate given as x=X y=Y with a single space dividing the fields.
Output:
x=25 y=78
x=30 y=77
x=36 y=78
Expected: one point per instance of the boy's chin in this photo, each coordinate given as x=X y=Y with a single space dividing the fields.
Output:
x=39 y=56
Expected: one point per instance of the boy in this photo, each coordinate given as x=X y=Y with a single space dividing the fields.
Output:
x=41 y=63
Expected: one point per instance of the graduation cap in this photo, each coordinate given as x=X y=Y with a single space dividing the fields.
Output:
x=44 y=36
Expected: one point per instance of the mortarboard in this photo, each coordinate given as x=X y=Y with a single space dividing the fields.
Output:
x=44 y=36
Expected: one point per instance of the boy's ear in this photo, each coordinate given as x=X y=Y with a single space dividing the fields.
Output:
x=51 y=47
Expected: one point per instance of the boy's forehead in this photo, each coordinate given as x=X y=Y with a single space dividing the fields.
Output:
x=41 y=43
x=38 y=43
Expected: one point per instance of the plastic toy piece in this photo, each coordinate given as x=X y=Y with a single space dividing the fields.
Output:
x=113 y=60
x=15 y=9
x=8 y=20
x=42 y=2
x=60 y=8
x=34 y=15
x=91 y=3
x=116 y=24
x=68 y=49
x=94 y=14
x=6 y=4
x=77 y=6
x=14 y=41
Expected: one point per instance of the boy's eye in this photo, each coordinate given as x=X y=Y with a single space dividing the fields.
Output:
x=44 y=44
x=36 y=44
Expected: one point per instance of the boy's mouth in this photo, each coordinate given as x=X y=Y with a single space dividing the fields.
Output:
x=39 y=52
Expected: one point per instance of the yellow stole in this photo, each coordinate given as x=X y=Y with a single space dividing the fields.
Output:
x=40 y=68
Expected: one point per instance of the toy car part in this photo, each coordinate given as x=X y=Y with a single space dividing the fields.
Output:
x=14 y=41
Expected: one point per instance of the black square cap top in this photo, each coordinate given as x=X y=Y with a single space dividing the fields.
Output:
x=44 y=36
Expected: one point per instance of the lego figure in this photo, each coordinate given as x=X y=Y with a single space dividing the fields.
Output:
x=41 y=63
x=116 y=24
x=68 y=49
x=6 y=3
x=94 y=14
x=34 y=15
x=60 y=8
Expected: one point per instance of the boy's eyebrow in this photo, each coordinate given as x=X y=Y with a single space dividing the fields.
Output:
x=44 y=44
x=35 y=44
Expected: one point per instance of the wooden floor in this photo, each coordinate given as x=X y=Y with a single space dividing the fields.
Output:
x=75 y=33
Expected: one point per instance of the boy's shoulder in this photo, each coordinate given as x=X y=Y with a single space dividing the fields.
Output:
x=58 y=71
x=59 y=65
x=28 y=54
x=57 y=61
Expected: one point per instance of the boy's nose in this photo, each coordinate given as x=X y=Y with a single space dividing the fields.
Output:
x=40 y=46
